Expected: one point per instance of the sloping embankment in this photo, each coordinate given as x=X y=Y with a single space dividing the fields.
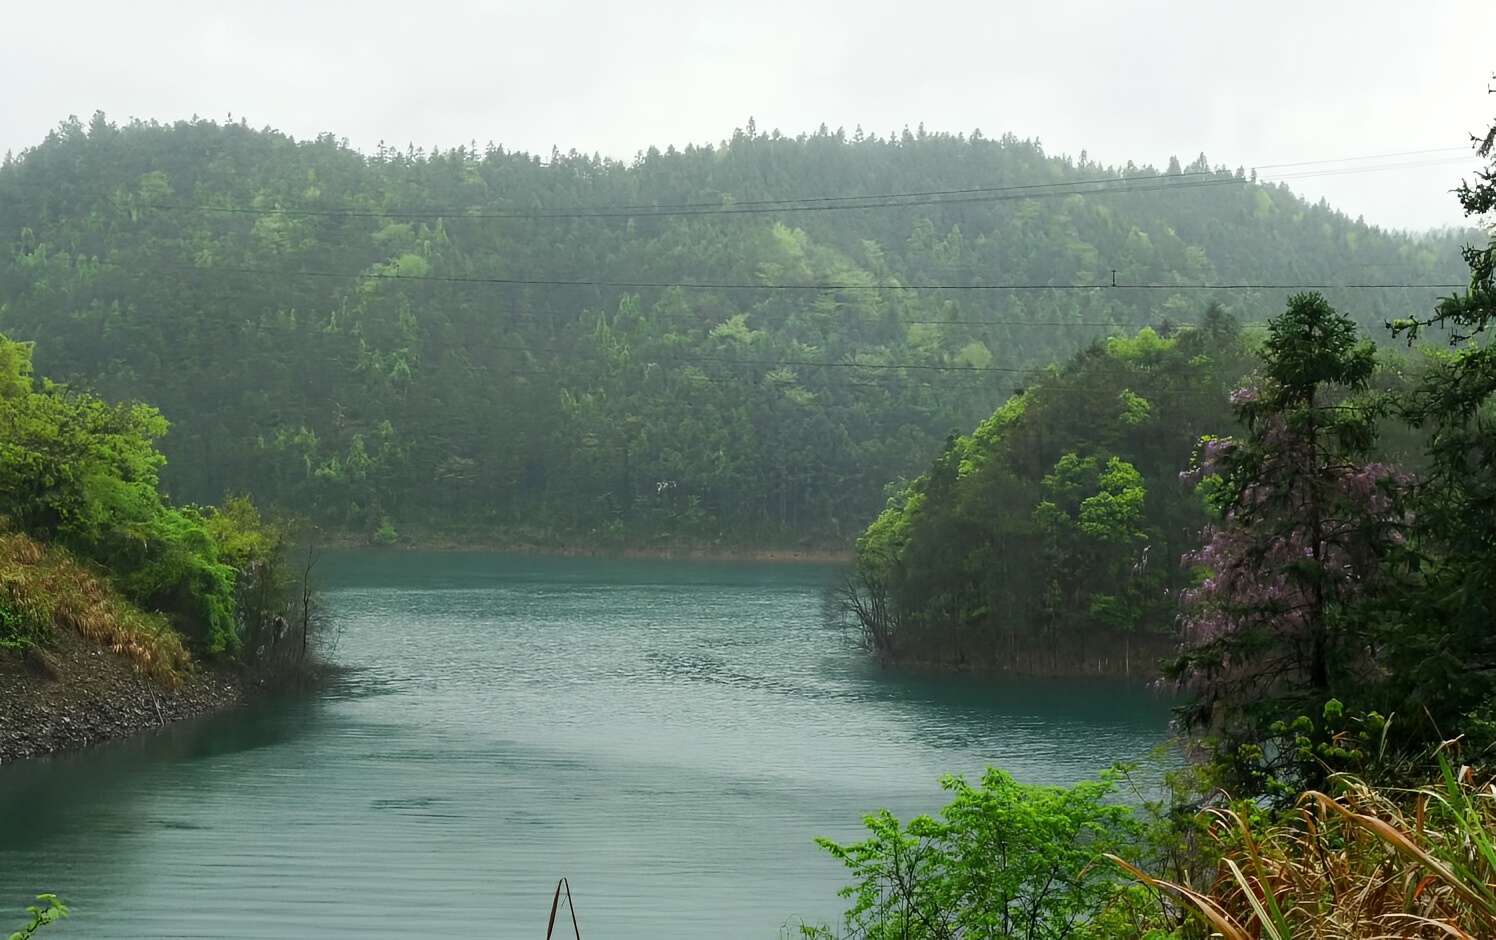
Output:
x=75 y=694
x=80 y=665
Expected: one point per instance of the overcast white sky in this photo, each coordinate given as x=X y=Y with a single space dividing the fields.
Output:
x=1259 y=83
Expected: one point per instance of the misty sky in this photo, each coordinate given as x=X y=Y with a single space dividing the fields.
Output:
x=1250 y=84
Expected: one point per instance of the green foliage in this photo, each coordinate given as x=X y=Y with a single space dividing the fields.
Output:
x=1279 y=626
x=1340 y=632
x=1351 y=861
x=1341 y=590
x=17 y=630
x=1311 y=346
x=71 y=465
x=177 y=570
x=1003 y=860
x=83 y=474
x=356 y=328
x=240 y=534
x=49 y=911
x=1046 y=540
x=385 y=534
x=1111 y=513
x=1438 y=630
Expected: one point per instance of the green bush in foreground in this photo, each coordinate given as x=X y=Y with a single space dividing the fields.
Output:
x=1007 y=861
x=1003 y=860
x=41 y=916
x=80 y=474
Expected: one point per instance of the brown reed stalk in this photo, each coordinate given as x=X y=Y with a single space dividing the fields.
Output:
x=1363 y=864
x=51 y=591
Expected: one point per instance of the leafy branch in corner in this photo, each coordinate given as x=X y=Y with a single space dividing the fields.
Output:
x=49 y=910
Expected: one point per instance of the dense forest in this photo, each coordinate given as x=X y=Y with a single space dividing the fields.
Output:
x=756 y=344
x=737 y=345
x=1048 y=540
x=1335 y=647
x=89 y=544
x=1303 y=521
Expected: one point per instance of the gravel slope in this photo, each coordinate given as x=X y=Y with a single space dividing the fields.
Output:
x=75 y=694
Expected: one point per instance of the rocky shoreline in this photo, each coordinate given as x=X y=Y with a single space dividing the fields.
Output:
x=73 y=695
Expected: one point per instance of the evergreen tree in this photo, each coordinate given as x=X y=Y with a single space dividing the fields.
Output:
x=1443 y=646
x=1304 y=518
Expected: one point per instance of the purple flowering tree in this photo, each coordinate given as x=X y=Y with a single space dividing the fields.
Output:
x=1304 y=521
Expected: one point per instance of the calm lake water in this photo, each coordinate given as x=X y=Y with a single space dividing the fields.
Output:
x=670 y=737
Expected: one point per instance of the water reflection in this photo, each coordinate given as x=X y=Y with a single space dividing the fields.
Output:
x=67 y=791
x=671 y=738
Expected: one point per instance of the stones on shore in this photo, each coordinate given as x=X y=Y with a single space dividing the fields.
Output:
x=74 y=695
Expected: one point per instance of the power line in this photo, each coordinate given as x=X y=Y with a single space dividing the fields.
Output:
x=1373 y=156
x=710 y=318
x=666 y=285
x=778 y=363
x=1115 y=184
x=1037 y=374
x=800 y=204
x=647 y=359
x=1342 y=171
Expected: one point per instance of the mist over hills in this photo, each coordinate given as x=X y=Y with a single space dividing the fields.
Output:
x=739 y=344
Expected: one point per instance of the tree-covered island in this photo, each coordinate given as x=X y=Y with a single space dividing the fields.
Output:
x=1333 y=627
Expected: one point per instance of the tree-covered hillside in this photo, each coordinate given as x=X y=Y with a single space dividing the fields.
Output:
x=88 y=543
x=739 y=344
x=1048 y=540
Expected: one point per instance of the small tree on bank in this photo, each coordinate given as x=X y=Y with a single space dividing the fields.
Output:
x=1003 y=860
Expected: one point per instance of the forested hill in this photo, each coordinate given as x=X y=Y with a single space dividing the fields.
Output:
x=740 y=344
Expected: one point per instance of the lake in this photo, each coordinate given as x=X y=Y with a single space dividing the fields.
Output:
x=668 y=736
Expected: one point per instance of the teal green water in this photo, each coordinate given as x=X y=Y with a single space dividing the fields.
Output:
x=670 y=737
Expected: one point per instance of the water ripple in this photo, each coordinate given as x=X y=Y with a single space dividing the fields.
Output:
x=670 y=738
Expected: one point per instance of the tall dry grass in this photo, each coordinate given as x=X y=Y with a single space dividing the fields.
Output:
x=49 y=590
x=1360 y=865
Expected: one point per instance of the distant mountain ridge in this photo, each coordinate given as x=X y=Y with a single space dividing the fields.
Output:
x=730 y=345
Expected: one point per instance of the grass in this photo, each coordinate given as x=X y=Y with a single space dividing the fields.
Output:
x=43 y=589
x=1363 y=863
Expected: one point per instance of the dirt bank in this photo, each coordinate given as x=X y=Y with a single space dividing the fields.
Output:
x=75 y=694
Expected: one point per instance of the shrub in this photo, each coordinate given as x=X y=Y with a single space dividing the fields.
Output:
x=1003 y=860
x=385 y=534
x=42 y=588
x=48 y=911
x=1367 y=862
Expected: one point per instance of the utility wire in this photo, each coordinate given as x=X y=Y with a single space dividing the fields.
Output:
x=647 y=358
x=665 y=285
x=802 y=204
x=1373 y=156
x=1362 y=169
x=1115 y=184
x=651 y=358
x=710 y=318
x=893 y=383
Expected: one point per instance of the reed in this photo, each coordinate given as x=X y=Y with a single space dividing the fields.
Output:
x=43 y=589
x=1364 y=863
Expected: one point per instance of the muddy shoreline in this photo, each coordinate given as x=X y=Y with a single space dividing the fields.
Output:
x=74 y=694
